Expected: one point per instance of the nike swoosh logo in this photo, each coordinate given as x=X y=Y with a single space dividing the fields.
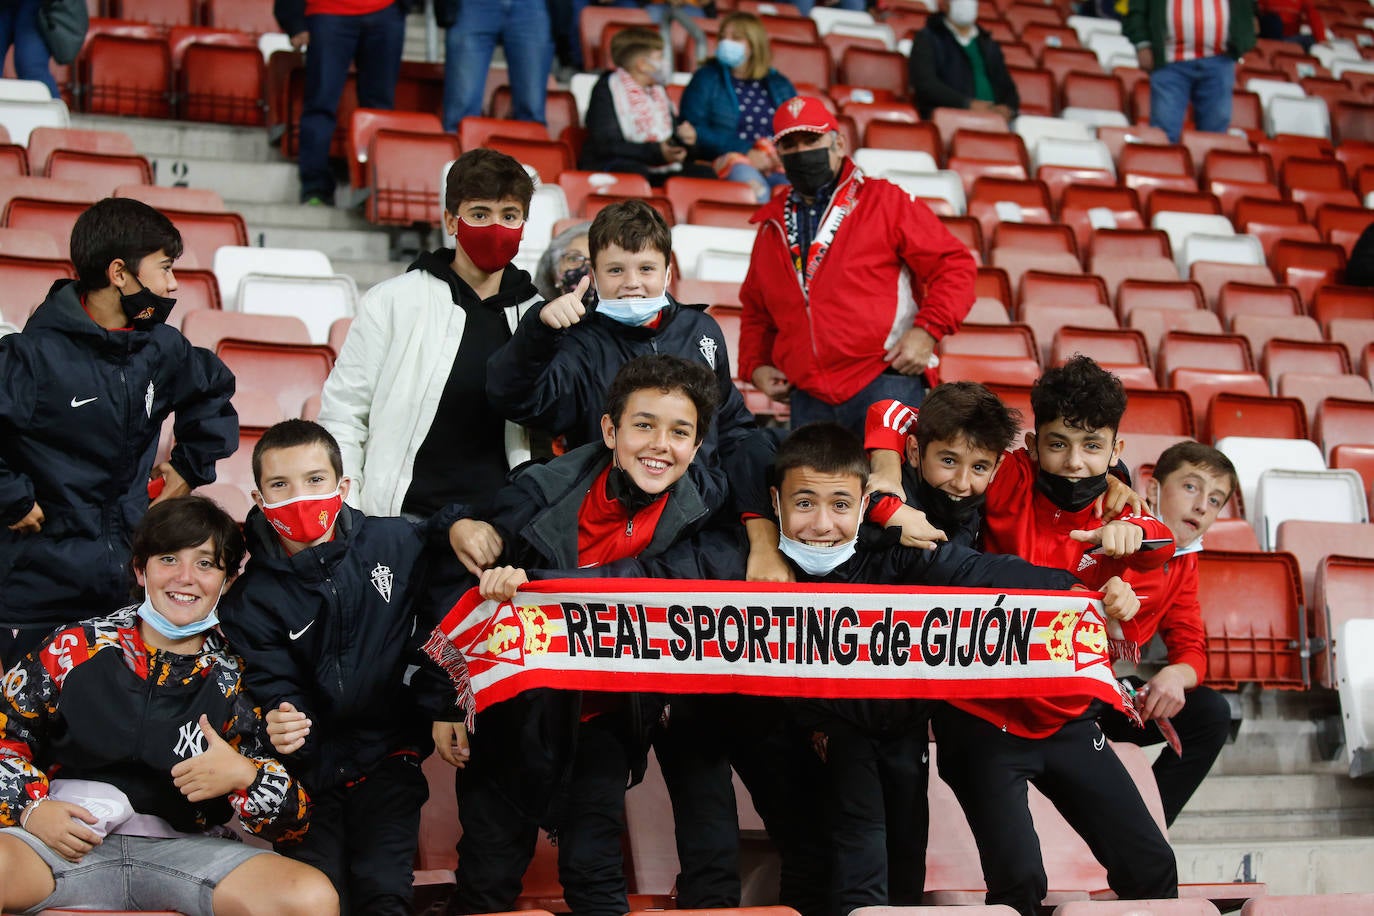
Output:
x=301 y=632
x=76 y=403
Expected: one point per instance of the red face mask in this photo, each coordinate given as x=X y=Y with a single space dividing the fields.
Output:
x=304 y=519
x=490 y=248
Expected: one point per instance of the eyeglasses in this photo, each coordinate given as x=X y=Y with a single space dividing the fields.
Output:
x=572 y=260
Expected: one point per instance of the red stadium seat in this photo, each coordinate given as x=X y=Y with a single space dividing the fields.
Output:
x=1203 y=385
x=293 y=372
x=577 y=186
x=14 y=160
x=1338 y=224
x=364 y=123
x=126 y=76
x=722 y=213
x=992 y=146
x=1333 y=302
x=252 y=16
x=404 y=171
x=594 y=21
x=1117 y=138
x=598 y=202
x=1316 y=905
x=988 y=369
x=202 y=234
x=1344 y=422
x=1156 y=159
x=206 y=328
x=1271 y=212
x=1211 y=276
x=1172 y=200
x=1321 y=174
x=1005 y=340
x=803 y=62
x=1125 y=243
x=159 y=12
x=26 y=281
x=1270 y=235
x=1232 y=533
x=36 y=188
x=1234 y=414
x=1035 y=87
x=1282 y=355
x=560 y=108
x=682 y=192
x=27 y=243
x=1201 y=143
x=1182 y=349
x=1031 y=200
x=550 y=158
x=56 y=218
x=881 y=133
x=1261 y=329
x=43 y=140
x=1045 y=320
x=192 y=200
x=1043 y=287
x=1313 y=387
x=475 y=131
x=1183 y=295
x=1113 y=348
x=1307 y=266
x=949 y=120
x=1154 y=323
x=222 y=84
x=1083 y=207
x=1252 y=612
x=1280 y=148
x=99 y=170
x=1312 y=542
x=1094 y=90
x=1052 y=238
x=1160 y=412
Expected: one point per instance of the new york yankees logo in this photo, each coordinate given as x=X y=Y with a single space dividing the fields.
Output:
x=190 y=741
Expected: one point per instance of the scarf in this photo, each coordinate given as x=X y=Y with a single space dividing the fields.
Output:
x=844 y=200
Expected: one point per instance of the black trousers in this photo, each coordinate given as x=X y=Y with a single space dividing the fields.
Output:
x=989 y=770
x=364 y=837
x=879 y=815
x=1203 y=725
x=705 y=737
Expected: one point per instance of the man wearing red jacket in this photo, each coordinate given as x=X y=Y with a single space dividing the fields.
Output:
x=851 y=281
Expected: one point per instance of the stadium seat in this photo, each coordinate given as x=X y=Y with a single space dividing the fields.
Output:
x=1307 y=266
x=1181 y=349
x=363 y=124
x=124 y=75
x=1159 y=412
x=159 y=12
x=192 y=200
x=682 y=192
x=14 y=160
x=1182 y=907
x=404 y=171
x=253 y=16
x=293 y=372
x=1305 y=117
x=998 y=199
x=318 y=301
x=712 y=253
x=1353 y=333
x=1179 y=226
x=1261 y=329
x=1050 y=239
x=202 y=234
x=883 y=162
x=1044 y=319
x=578 y=185
x=1286 y=352
x=1252 y=613
x=1182 y=295
x=1203 y=385
x=1043 y=287
x=54 y=217
x=1015 y=341
x=1016 y=261
x=26 y=281
x=1342 y=421
x=1317 y=904
x=21 y=117
x=1232 y=533
x=1117 y=349
x=1220 y=249
x=1320 y=174
x=967 y=230
x=1034 y=87
x=1141 y=244
x=475 y=131
x=1318 y=495
x=28 y=243
x=706 y=292
x=1252 y=456
x=989 y=370
x=595 y=203
x=875 y=69
x=1251 y=299
x=44 y=140
x=1235 y=414
x=949 y=120
x=207 y=328
x=881 y=133
x=100 y=171
x=221 y=83
x=1312 y=388
x=1089 y=210
x=1341 y=581
x=549 y=158
x=38 y=188
x=1343 y=225
x=722 y=213
x=1268 y=212
x=1154 y=323
x=803 y=61
x=1211 y=276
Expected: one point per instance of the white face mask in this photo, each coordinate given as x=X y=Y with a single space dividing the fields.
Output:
x=817 y=561
x=635 y=312
x=963 y=13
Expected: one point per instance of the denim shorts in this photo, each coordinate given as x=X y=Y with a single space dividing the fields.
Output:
x=141 y=873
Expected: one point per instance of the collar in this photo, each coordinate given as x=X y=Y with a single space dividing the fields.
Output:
x=963 y=40
x=1195 y=547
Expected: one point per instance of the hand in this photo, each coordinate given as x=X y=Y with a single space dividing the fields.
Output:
x=501 y=583
x=475 y=543
x=1003 y=110
x=917 y=531
x=672 y=153
x=885 y=472
x=979 y=105
x=31 y=523
x=451 y=743
x=174 y=484
x=772 y=383
x=1146 y=58
x=1164 y=693
x=216 y=771
x=567 y=310
x=1117 y=499
x=1117 y=539
x=1119 y=600
x=300 y=40
x=287 y=727
x=687 y=133
x=52 y=823
x=911 y=354
x=768 y=565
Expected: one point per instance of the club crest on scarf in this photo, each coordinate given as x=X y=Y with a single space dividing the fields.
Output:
x=513 y=633
x=1080 y=636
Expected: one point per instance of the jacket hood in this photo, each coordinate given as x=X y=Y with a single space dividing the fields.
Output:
x=516 y=284
x=63 y=312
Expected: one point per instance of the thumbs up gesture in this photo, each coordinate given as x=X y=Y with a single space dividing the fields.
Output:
x=215 y=771
x=567 y=310
x=287 y=727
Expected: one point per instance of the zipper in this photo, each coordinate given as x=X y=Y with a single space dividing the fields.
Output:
x=629 y=526
x=338 y=628
x=148 y=683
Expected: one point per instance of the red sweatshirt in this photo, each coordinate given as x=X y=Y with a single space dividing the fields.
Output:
x=344 y=7
x=1170 y=606
x=1021 y=520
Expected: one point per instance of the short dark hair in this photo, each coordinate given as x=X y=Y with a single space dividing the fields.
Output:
x=485 y=174
x=627 y=44
x=188 y=521
x=1081 y=393
x=119 y=229
x=631 y=224
x=667 y=374
x=825 y=447
x=1204 y=456
x=968 y=411
x=291 y=433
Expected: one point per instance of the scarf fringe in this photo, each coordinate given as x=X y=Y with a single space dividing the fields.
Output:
x=1123 y=650
x=446 y=656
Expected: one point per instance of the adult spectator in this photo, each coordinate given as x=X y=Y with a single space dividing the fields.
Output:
x=128 y=741
x=831 y=314
x=731 y=101
x=1191 y=55
x=407 y=399
x=631 y=125
x=84 y=390
x=19 y=29
x=955 y=64
x=337 y=34
x=564 y=263
x=1283 y=20
x=522 y=29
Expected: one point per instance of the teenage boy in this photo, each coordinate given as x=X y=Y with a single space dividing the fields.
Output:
x=1040 y=505
x=556 y=759
x=407 y=399
x=324 y=616
x=1191 y=484
x=84 y=389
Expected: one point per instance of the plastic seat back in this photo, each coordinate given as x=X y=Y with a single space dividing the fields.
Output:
x=1342 y=577
x=293 y=372
x=404 y=171
x=989 y=370
x=682 y=192
x=577 y=186
x=28 y=243
x=318 y=301
x=1236 y=414
x=1203 y=385
x=1261 y=330
x=1319 y=904
x=1252 y=456
x=1325 y=495
x=1250 y=299
x=1160 y=412
x=101 y=171
x=26 y=282
x=221 y=83
x=1015 y=341
x=1252 y=613
x=1342 y=421
x=44 y=140
x=207 y=328
x=126 y=76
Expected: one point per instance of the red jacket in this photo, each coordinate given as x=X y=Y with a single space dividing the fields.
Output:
x=1170 y=606
x=344 y=7
x=892 y=265
x=1021 y=520
x=1292 y=13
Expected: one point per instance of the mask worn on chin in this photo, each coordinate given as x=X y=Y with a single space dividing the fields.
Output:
x=963 y=13
x=489 y=248
x=635 y=312
x=622 y=488
x=731 y=53
x=178 y=630
x=146 y=308
x=944 y=511
x=808 y=170
x=304 y=519
x=1070 y=495
x=817 y=561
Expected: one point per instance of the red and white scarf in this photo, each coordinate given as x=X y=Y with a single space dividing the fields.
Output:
x=843 y=201
x=645 y=113
x=805 y=640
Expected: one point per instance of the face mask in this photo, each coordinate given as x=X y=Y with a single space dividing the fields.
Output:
x=963 y=13
x=177 y=631
x=1070 y=495
x=489 y=248
x=146 y=308
x=817 y=561
x=944 y=511
x=568 y=282
x=732 y=53
x=305 y=519
x=808 y=170
x=622 y=488
x=635 y=312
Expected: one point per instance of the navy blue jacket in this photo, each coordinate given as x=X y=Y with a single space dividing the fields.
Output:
x=709 y=104
x=333 y=630
x=80 y=413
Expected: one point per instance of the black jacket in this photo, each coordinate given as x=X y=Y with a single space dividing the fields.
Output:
x=941 y=76
x=332 y=630
x=80 y=413
x=606 y=142
x=556 y=381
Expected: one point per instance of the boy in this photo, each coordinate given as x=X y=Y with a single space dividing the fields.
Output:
x=556 y=759
x=84 y=390
x=1191 y=484
x=1040 y=505
x=324 y=616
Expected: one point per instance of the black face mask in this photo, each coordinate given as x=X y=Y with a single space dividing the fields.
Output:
x=1070 y=495
x=944 y=511
x=808 y=170
x=146 y=308
x=624 y=490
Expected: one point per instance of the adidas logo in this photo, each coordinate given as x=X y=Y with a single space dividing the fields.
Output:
x=1086 y=562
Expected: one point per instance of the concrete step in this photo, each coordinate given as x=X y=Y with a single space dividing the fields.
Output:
x=237 y=182
x=1244 y=826
x=1280 y=793
x=338 y=244
x=294 y=216
x=1313 y=866
x=187 y=139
